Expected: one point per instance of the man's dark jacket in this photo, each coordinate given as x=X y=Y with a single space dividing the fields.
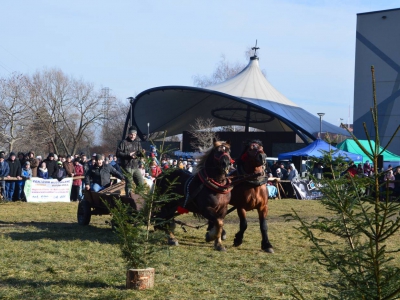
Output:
x=51 y=166
x=125 y=147
x=101 y=175
x=15 y=167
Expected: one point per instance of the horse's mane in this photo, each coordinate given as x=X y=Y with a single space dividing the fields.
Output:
x=202 y=163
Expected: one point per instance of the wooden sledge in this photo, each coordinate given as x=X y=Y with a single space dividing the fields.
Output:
x=92 y=204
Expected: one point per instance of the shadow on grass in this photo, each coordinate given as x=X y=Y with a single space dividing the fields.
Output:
x=60 y=232
x=28 y=283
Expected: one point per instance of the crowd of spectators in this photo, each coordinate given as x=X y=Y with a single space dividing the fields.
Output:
x=94 y=173
x=283 y=172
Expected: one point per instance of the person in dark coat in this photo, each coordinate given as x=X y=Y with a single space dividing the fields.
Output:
x=15 y=171
x=283 y=171
x=98 y=176
x=129 y=152
x=60 y=173
x=4 y=171
x=51 y=165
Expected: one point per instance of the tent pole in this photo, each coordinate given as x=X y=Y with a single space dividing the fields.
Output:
x=246 y=129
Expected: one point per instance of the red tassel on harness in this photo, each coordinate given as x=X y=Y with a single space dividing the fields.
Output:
x=181 y=210
x=244 y=156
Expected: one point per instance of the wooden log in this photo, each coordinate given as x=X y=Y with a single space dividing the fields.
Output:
x=140 y=279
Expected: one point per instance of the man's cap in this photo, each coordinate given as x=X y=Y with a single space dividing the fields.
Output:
x=132 y=129
x=12 y=154
x=51 y=154
x=1 y=155
x=27 y=163
x=99 y=157
x=59 y=162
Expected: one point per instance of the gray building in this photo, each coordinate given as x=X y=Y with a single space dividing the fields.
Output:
x=378 y=45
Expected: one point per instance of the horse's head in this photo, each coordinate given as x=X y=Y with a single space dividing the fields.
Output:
x=222 y=155
x=254 y=154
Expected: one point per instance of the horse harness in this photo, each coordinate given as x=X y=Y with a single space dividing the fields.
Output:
x=260 y=180
x=207 y=182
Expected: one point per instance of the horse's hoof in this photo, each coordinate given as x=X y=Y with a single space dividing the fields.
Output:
x=173 y=242
x=269 y=250
x=208 y=238
x=223 y=236
x=267 y=247
x=220 y=248
x=237 y=242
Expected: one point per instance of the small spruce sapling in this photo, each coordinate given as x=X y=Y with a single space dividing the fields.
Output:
x=357 y=244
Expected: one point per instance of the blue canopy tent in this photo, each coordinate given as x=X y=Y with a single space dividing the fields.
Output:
x=316 y=149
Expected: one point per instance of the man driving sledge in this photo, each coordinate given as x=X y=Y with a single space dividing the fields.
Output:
x=129 y=152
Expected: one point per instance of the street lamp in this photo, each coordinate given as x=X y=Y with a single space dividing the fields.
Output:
x=131 y=100
x=320 y=123
x=148 y=130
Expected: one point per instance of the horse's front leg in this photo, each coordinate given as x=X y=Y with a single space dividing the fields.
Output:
x=242 y=228
x=215 y=233
x=209 y=227
x=265 y=244
x=218 y=241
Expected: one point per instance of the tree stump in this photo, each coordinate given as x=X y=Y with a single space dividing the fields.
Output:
x=140 y=279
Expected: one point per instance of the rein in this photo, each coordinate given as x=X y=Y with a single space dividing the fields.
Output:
x=242 y=178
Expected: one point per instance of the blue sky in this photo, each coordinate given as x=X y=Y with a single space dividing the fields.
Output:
x=307 y=47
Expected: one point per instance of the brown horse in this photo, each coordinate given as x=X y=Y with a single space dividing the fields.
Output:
x=206 y=192
x=251 y=194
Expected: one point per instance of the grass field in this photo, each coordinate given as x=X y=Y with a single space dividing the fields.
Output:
x=45 y=254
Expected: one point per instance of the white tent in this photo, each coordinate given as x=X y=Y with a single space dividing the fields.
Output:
x=247 y=99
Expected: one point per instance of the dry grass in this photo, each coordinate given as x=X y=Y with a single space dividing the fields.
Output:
x=45 y=254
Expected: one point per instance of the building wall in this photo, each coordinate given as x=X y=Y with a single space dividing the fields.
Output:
x=378 y=44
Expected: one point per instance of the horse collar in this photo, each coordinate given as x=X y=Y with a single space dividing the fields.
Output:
x=257 y=182
x=214 y=185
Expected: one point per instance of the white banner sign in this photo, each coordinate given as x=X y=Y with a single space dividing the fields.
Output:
x=48 y=190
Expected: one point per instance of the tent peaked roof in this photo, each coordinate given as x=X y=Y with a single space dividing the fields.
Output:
x=251 y=83
x=351 y=145
x=316 y=149
x=247 y=99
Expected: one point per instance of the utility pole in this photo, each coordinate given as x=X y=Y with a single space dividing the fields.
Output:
x=106 y=105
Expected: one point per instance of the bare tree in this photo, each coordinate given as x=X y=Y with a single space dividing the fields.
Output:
x=14 y=114
x=64 y=108
x=203 y=133
x=173 y=138
x=224 y=71
x=113 y=125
